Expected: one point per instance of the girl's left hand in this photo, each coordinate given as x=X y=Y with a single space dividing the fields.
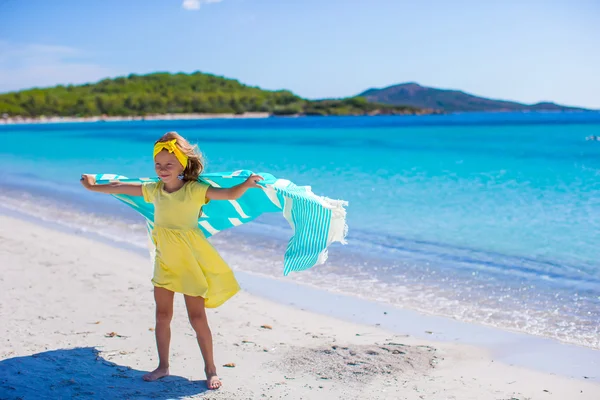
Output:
x=253 y=180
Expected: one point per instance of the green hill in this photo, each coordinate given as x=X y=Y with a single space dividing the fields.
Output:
x=165 y=93
x=415 y=95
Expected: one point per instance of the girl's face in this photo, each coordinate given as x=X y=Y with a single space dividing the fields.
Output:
x=167 y=166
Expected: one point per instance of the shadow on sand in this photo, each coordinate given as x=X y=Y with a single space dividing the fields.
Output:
x=83 y=373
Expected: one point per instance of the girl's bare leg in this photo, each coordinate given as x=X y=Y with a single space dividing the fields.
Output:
x=164 y=315
x=197 y=315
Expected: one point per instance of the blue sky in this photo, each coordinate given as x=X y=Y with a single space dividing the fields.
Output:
x=519 y=50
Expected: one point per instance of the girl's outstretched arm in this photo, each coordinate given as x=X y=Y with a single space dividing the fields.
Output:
x=234 y=192
x=131 y=189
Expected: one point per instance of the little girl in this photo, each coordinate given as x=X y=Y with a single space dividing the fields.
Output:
x=185 y=261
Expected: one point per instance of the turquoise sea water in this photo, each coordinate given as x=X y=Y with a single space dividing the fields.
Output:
x=492 y=218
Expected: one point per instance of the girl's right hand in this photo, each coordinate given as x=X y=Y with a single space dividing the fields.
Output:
x=114 y=187
x=88 y=181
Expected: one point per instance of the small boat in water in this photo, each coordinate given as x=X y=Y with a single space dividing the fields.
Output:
x=593 y=138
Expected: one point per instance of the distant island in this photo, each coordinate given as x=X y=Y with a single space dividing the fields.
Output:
x=415 y=95
x=177 y=96
x=199 y=95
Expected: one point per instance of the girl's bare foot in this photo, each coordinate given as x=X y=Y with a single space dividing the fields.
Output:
x=158 y=373
x=212 y=380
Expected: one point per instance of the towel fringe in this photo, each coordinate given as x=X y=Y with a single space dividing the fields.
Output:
x=339 y=226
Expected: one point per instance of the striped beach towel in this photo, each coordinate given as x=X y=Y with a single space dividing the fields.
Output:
x=316 y=221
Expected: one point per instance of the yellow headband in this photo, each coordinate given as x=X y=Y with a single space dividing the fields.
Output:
x=171 y=147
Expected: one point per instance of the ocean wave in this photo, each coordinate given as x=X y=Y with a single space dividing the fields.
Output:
x=528 y=295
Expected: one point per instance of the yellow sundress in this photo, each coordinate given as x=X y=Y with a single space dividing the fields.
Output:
x=185 y=261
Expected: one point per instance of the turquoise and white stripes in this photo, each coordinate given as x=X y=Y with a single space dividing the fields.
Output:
x=316 y=221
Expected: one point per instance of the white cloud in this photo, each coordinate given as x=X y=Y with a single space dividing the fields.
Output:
x=195 y=4
x=25 y=66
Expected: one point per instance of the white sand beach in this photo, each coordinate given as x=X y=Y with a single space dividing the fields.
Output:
x=151 y=117
x=77 y=317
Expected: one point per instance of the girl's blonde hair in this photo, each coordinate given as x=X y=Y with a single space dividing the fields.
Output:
x=195 y=164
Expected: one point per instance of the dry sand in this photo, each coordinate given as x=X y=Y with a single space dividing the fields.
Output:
x=77 y=317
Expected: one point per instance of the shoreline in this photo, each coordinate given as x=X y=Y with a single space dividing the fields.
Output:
x=266 y=264
x=40 y=120
x=158 y=117
x=176 y=117
x=505 y=345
